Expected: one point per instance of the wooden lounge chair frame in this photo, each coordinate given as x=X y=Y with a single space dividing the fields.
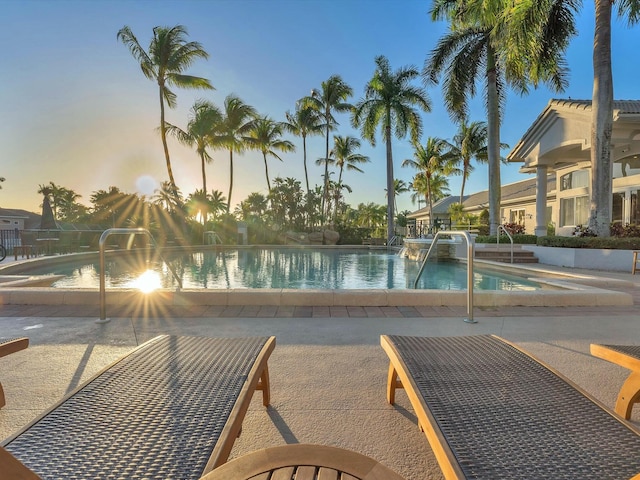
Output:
x=161 y=406
x=303 y=461
x=626 y=356
x=491 y=411
x=8 y=347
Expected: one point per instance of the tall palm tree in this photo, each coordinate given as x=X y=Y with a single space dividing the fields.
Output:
x=304 y=121
x=602 y=112
x=168 y=56
x=481 y=44
x=232 y=134
x=266 y=135
x=390 y=101
x=431 y=159
x=204 y=118
x=331 y=98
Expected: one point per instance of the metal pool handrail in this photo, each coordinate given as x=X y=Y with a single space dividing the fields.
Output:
x=101 y=243
x=467 y=237
x=504 y=229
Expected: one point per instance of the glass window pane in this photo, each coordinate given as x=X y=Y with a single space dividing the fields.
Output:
x=566 y=212
x=618 y=207
x=582 y=210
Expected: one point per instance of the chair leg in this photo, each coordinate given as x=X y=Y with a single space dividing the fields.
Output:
x=392 y=383
x=629 y=394
x=264 y=385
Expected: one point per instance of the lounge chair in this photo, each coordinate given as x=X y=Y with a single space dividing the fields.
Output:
x=627 y=356
x=7 y=347
x=302 y=461
x=172 y=408
x=490 y=411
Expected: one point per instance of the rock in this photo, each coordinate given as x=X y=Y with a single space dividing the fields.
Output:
x=316 y=238
x=331 y=237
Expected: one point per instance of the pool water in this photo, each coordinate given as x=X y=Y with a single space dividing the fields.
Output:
x=276 y=268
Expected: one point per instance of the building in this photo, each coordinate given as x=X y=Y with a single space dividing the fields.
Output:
x=556 y=148
x=559 y=143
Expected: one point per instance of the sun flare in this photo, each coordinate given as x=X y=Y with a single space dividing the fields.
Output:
x=147 y=282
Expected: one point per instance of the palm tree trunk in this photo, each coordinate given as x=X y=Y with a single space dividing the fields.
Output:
x=203 y=213
x=266 y=171
x=602 y=122
x=390 y=185
x=163 y=135
x=204 y=173
x=493 y=142
x=464 y=181
x=430 y=204
x=230 y=178
x=304 y=157
x=325 y=189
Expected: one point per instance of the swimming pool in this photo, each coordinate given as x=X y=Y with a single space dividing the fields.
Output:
x=278 y=268
x=28 y=282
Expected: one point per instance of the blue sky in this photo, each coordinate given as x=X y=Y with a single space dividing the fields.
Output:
x=76 y=109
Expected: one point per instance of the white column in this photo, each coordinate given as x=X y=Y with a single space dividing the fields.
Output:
x=541 y=201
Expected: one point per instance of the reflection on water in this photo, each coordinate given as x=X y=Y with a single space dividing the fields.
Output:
x=290 y=268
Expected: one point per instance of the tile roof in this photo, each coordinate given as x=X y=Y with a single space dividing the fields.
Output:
x=623 y=106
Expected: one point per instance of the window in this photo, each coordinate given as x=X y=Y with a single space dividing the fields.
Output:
x=617 y=214
x=517 y=216
x=635 y=209
x=577 y=179
x=574 y=211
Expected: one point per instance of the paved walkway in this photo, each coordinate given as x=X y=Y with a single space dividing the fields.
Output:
x=328 y=370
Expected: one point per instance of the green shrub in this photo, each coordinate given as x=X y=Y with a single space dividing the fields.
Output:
x=521 y=239
x=630 y=243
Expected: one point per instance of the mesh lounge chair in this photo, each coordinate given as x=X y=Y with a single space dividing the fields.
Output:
x=172 y=408
x=492 y=411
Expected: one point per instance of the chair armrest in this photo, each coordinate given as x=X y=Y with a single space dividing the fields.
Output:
x=13 y=345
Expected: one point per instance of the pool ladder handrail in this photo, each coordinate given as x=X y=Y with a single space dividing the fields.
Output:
x=467 y=237
x=132 y=232
x=504 y=229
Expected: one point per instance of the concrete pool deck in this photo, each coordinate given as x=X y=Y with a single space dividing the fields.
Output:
x=328 y=371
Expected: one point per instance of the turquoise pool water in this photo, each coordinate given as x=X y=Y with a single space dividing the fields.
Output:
x=275 y=268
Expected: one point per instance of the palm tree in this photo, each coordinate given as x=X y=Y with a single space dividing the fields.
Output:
x=168 y=198
x=233 y=130
x=399 y=187
x=481 y=44
x=332 y=97
x=602 y=112
x=430 y=160
x=436 y=187
x=303 y=122
x=370 y=215
x=217 y=203
x=344 y=155
x=265 y=135
x=204 y=119
x=169 y=55
x=390 y=102
x=470 y=142
x=198 y=205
